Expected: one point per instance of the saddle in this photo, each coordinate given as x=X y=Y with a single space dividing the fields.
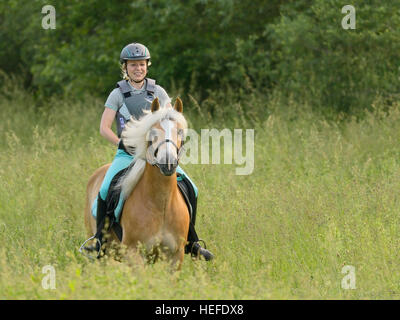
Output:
x=114 y=210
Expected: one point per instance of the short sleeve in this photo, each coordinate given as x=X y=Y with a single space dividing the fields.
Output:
x=114 y=100
x=162 y=95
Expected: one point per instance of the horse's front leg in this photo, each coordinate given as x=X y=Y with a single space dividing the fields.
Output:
x=177 y=259
x=133 y=255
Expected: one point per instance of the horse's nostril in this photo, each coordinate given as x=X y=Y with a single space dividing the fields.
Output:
x=172 y=163
x=168 y=165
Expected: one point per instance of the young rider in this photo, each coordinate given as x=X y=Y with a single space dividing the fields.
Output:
x=132 y=95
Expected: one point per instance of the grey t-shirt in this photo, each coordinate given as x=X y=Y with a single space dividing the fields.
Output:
x=115 y=99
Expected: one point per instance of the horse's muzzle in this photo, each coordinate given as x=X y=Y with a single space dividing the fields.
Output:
x=168 y=167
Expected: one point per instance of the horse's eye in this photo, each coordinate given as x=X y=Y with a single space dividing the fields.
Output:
x=180 y=133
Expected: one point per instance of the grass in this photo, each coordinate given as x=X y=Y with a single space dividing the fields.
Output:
x=323 y=195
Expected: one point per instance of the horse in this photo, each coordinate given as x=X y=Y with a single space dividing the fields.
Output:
x=155 y=216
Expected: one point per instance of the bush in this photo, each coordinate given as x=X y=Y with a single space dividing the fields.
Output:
x=296 y=49
x=315 y=59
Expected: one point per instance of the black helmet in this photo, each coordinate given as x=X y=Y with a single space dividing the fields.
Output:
x=135 y=51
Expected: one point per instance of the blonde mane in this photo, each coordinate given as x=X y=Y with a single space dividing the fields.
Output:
x=134 y=137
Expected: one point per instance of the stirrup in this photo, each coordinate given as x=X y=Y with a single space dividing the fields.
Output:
x=200 y=240
x=84 y=250
x=206 y=253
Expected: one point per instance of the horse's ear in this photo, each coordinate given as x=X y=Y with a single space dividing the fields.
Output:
x=155 y=105
x=178 y=105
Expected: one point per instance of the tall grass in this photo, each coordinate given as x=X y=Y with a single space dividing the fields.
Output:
x=323 y=195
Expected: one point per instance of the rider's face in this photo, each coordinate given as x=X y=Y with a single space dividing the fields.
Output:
x=137 y=69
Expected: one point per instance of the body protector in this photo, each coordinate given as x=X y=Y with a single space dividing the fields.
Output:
x=134 y=104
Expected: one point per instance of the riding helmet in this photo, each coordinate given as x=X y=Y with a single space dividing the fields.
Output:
x=135 y=51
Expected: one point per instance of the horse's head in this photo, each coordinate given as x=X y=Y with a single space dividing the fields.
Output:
x=166 y=138
x=158 y=137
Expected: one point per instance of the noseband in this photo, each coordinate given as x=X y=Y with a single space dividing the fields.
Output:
x=179 y=150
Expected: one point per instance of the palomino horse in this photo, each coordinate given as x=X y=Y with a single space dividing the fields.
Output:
x=155 y=215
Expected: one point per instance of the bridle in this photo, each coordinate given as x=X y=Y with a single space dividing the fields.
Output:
x=179 y=150
x=153 y=161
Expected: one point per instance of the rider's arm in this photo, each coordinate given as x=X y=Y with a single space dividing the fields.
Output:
x=105 y=126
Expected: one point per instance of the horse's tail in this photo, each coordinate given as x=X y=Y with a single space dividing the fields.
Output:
x=129 y=180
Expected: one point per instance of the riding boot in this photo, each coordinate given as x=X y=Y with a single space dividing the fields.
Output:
x=193 y=246
x=100 y=224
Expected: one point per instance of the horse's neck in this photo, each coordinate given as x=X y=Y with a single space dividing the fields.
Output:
x=159 y=188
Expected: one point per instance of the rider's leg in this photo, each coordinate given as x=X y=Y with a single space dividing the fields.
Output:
x=193 y=245
x=101 y=213
x=120 y=162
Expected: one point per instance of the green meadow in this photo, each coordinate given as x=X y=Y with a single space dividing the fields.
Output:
x=323 y=195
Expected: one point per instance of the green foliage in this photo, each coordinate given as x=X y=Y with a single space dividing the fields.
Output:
x=323 y=191
x=323 y=195
x=209 y=42
x=315 y=59
x=203 y=47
